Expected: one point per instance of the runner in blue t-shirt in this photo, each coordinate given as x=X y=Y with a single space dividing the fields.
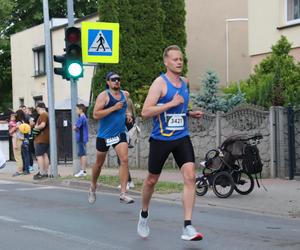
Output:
x=167 y=103
x=111 y=111
x=82 y=137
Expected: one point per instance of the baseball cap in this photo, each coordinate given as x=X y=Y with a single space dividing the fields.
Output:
x=109 y=74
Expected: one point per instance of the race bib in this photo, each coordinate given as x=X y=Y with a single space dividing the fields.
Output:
x=175 y=121
x=112 y=140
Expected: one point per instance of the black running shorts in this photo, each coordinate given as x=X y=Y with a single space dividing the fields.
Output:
x=182 y=150
x=101 y=143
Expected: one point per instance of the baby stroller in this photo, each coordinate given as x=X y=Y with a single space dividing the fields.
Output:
x=230 y=167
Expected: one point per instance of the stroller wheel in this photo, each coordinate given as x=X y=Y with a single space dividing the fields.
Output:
x=223 y=184
x=244 y=182
x=201 y=186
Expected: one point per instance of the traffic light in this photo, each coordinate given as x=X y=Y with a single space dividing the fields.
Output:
x=61 y=71
x=73 y=57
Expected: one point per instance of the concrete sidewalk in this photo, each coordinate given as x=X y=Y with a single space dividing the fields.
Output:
x=281 y=199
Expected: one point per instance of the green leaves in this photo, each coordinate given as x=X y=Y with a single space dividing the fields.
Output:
x=210 y=100
x=276 y=79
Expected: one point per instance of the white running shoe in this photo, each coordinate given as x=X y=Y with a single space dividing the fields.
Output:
x=143 y=227
x=130 y=184
x=81 y=173
x=190 y=233
x=126 y=199
x=92 y=196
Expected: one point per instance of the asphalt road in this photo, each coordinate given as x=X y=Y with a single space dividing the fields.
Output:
x=45 y=217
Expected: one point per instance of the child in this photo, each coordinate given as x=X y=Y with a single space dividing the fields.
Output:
x=82 y=136
x=12 y=128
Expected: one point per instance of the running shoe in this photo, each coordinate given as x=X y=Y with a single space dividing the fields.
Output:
x=190 y=233
x=92 y=196
x=17 y=174
x=126 y=199
x=81 y=173
x=143 y=227
x=40 y=176
x=130 y=184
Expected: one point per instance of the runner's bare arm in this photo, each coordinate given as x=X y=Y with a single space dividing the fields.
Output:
x=99 y=111
x=129 y=114
x=150 y=107
x=191 y=113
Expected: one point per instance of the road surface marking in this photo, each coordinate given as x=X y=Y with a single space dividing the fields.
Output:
x=71 y=237
x=35 y=188
x=9 y=219
x=6 y=182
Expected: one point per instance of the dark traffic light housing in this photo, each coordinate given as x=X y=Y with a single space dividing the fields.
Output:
x=61 y=71
x=73 y=61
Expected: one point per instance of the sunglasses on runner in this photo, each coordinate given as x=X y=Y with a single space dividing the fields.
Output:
x=115 y=79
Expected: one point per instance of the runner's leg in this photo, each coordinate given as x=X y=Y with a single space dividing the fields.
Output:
x=188 y=198
x=148 y=189
x=122 y=152
x=100 y=158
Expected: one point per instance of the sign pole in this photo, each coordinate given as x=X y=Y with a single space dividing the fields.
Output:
x=74 y=95
x=50 y=90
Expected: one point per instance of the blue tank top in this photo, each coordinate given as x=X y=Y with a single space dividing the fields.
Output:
x=172 y=124
x=113 y=124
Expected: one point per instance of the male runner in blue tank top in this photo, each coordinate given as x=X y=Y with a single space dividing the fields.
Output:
x=111 y=111
x=167 y=102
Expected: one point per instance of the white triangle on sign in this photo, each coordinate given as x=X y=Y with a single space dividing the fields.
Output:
x=100 y=44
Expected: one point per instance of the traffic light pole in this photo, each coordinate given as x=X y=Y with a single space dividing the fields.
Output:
x=50 y=90
x=74 y=95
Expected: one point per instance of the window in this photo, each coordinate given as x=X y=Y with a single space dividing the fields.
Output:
x=21 y=102
x=37 y=99
x=39 y=61
x=293 y=11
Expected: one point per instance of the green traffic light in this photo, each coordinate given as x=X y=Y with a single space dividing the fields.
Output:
x=75 y=69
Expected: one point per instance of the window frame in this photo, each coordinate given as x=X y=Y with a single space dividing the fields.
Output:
x=36 y=58
x=288 y=22
x=36 y=99
x=21 y=101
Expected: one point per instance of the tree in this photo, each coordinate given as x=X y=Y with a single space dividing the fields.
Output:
x=210 y=100
x=174 y=25
x=275 y=80
x=19 y=15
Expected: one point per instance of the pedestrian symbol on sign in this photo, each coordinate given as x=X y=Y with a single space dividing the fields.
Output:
x=100 y=42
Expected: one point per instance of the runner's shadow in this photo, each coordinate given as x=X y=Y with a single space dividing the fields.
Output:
x=192 y=248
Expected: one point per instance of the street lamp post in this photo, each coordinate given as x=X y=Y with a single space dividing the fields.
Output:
x=227 y=21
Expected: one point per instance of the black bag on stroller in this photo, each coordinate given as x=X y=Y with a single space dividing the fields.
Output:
x=240 y=147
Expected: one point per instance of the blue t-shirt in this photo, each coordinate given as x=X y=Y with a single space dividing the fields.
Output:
x=173 y=123
x=82 y=132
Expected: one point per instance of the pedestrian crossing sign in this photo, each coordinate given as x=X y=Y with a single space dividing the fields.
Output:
x=100 y=42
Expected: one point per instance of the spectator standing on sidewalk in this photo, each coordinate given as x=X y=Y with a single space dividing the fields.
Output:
x=41 y=142
x=82 y=137
x=20 y=118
